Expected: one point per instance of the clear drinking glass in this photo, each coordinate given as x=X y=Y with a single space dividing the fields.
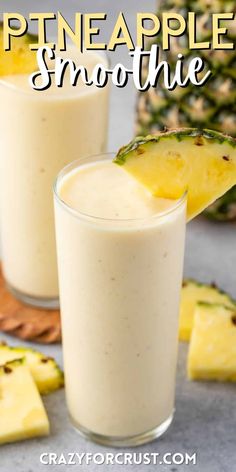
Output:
x=120 y=283
x=41 y=132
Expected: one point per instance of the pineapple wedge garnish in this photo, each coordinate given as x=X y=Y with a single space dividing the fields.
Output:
x=20 y=59
x=212 y=351
x=22 y=414
x=45 y=371
x=193 y=292
x=201 y=162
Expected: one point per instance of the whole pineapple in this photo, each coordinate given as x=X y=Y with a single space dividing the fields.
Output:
x=211 y=106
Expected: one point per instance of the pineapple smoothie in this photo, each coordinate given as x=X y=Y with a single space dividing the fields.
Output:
x=41 y=132
x=120 y=258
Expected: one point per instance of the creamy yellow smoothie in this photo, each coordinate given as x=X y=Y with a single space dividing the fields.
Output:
x=120 y=256
x=41 y=132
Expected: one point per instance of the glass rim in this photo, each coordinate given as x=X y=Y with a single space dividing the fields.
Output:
x=80 y=215
x=87 y=90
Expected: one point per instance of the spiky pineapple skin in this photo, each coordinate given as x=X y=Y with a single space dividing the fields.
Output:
x=211 y=106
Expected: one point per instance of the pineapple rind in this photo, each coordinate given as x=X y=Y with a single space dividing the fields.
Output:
x=212 y=351
x=21 y=409
x=192 y=293
x=45 y=371
x=178 y=134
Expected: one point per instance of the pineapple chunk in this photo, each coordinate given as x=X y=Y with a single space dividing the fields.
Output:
x=212 y=351
x=46 y=373
x=21 y=409
x=20 y=59
x=201 y=162
x=193 y=292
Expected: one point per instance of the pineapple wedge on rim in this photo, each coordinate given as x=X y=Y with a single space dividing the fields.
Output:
x=201 y=162
x=212 y=350
x=22 y=414
x=20 y=59
x=45 y=371
x=193 y=292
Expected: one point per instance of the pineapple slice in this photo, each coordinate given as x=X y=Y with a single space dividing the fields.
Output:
x=20 y=59
x=212 y=352
x=21 y=409
x=193 y=292
x=201 y=162
x=46 y=373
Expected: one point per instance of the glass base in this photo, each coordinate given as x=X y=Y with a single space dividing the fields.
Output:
x=36 y=302
x=124 y=441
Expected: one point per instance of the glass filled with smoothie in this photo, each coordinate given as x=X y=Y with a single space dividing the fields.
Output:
x=120 y=259
x=41 y=132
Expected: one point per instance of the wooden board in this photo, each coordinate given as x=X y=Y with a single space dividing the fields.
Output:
x=26 y=322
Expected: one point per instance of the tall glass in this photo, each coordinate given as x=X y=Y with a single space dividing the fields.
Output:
x=41 y=132
x=120 y=283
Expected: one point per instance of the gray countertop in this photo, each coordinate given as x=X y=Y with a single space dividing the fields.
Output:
x=205 y=419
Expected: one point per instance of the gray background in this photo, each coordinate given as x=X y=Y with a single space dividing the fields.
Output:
x=205 y=420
